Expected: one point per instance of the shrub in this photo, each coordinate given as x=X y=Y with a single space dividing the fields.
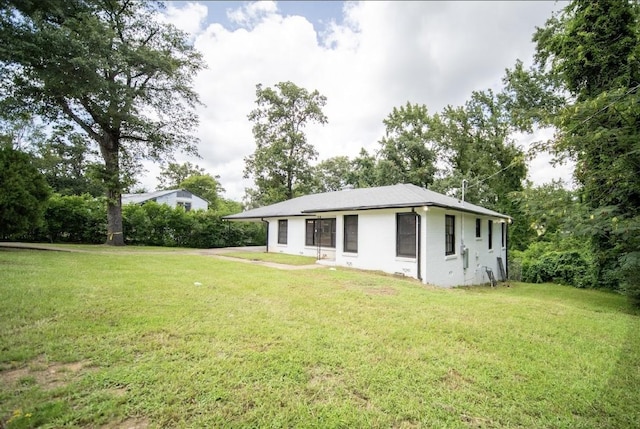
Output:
x=75 y=219
x=548 y=262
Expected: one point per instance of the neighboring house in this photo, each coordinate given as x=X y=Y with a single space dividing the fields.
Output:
x=172 y=198
x=400 y=229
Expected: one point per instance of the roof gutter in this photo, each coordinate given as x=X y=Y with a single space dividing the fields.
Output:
x=401 y=206
x=418 y=243
x=266 y=222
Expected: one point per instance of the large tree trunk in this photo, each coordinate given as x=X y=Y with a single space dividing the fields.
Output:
x=110 y=153
x=115 y=236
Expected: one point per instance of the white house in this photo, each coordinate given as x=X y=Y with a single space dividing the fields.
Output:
x=173 y=198
x=403 y=229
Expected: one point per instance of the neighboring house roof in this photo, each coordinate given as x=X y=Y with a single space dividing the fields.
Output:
x=147 y=196
x=395 y=196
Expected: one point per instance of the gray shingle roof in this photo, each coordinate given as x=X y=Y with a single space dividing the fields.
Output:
x=395 y=196
x=146 y=196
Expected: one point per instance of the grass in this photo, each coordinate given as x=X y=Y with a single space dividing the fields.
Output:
x=279 y=258
x=100 y=248
x=114 y=340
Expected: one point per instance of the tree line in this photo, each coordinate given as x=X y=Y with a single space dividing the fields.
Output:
x=47 y=201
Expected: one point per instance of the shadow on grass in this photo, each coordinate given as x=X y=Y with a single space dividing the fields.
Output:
x=597 y=300
x=617 y=403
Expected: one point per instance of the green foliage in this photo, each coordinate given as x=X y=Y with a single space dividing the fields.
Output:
x=81 y=219
x=363 y=170
x=205 y=186
x=630 y=270
x=332 y=174
x=173 y=174
x=113 y=69
x=280 y=165
x=153 y=224
x=23 y=193
x=543 y=262
x=75 y=219
x=408 y=153
x=69 y=163
x=477 y=146
x=585 y=82
x=549 y=212
x=471 y=143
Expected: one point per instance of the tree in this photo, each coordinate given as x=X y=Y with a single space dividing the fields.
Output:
x=332 y=174
x=280 y=165
x=173 y=174
x=587 y=71
x=110 y=67
x=550 y=211
x=205 y=186
x=476 y=145
x=364 y=170
x=68 y=163
x=408 y=153
x=23 y=192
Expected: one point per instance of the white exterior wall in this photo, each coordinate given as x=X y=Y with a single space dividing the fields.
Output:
x=447 y=270
x=172 y=200
x=377 y=245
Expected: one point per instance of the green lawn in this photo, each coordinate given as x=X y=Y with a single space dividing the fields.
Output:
x=167 y=340
x=279 y=258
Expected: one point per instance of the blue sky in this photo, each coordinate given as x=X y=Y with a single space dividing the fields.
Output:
x=319 y=13
x=365 y=57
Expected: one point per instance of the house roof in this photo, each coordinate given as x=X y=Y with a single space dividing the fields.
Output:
x=395 y=196
x=146 y=196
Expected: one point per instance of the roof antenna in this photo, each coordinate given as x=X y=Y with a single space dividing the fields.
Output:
x=464 y=184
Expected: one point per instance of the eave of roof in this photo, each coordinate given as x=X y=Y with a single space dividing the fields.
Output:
x=385 y=197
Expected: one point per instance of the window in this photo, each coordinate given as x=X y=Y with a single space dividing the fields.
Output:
x=449 y=235
x=185 y=206
x=490 y=235
x=406 y=235
x=502 y=233
x=283 y=226
x=351 y=233
x=478 y=228
x=320 y=232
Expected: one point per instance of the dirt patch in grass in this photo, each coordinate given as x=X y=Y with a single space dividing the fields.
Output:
x=118 y=391
x=454 y=380
x=475 y=422
x=46 y=375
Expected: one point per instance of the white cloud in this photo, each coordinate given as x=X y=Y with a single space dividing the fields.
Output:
x=382 y=55
x=251 y=13
x=189 y=18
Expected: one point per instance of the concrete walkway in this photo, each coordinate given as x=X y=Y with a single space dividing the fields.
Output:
x=224 y=253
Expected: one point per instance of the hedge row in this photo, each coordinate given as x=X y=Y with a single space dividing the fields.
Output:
x=82 y=219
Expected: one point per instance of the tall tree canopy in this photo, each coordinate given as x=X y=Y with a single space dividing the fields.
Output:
x=205 y=186
x=69 y=163
x=585 y=83
x=332 y=174
x=408 y=153
x=173 y=174
x=280 y=165
x=110 y=67
x=476 y=145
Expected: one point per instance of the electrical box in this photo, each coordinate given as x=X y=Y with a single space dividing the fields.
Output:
x=464 y=252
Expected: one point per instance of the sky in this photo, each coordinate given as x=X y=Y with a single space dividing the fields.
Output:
x=365 y=57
